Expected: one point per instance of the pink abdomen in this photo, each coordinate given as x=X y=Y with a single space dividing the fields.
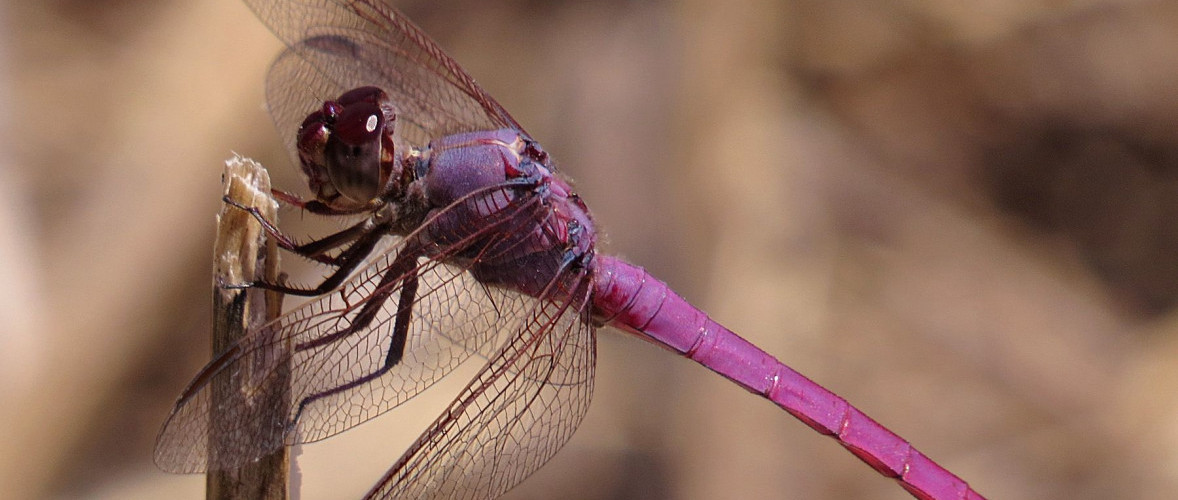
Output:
x=628 y=298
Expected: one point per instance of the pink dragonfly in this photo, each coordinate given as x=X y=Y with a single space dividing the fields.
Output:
x=468 y=243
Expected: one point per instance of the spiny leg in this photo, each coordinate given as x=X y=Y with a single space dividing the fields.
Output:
x=314 y=249
x=315 y=206
x=345 y=263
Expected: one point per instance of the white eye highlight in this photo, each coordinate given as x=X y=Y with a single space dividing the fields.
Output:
x=372 y=121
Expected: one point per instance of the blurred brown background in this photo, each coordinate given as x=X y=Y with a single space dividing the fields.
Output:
x=959 y=216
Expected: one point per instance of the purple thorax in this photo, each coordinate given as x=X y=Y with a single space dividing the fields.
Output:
x=527 y=216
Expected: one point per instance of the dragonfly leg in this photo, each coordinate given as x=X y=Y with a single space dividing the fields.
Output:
x=365 y=239
x=406 y=272
x=315 y=206
x=314 y=249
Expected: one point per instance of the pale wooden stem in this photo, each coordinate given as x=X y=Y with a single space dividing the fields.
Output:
x=236 y=312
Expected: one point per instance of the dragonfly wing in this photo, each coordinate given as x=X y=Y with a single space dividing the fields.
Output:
x=514 y=416
x=453 y=316
x=335 y=46
x=294 y=90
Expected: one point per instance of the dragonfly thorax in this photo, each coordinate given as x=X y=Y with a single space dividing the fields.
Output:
x=463 y=164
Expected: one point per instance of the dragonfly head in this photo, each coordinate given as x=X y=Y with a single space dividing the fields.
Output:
x=346 y=149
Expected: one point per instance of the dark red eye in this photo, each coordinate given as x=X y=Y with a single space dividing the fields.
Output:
x=359 y=123
x=361 y=94
x=331 y=110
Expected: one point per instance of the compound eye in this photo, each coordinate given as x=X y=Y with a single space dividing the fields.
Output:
x=360 y=123
x=362 y=94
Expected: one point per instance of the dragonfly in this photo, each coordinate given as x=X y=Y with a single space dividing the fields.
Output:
x=466 y=241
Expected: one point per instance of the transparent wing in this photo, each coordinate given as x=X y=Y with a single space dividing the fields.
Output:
x=453 y=316
x=295 y=89
x=517 y=412
x=335 y=46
